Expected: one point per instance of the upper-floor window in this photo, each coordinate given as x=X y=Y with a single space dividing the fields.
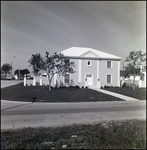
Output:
x=89 y=63
x=109 y=64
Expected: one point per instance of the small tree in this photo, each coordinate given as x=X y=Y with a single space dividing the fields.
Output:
x=6 y=68
x=135 y=60
x=35 y=62
x=56 y=64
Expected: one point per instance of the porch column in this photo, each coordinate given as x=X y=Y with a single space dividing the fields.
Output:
x=118 y=84
x=98 y=76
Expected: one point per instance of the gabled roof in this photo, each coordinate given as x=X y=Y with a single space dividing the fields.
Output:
x=82 y=52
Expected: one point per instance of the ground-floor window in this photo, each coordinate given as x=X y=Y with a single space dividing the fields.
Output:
x=67 y=78
x=108 y=78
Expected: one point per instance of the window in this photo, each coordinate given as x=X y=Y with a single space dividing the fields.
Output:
x=109 y=64
x=108 y=78
x=89 y=63
x=88 y=75
x=67 y=78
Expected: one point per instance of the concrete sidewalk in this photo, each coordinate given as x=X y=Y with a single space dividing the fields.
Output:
x=127 y=98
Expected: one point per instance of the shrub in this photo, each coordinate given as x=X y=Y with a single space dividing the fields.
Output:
x=62 y=87
x=77 y=86
x=116 y=86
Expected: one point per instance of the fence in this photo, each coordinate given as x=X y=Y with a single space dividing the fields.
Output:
x=36 y=81
x=138 y=83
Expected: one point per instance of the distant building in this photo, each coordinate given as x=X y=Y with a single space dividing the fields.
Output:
x=127 y=77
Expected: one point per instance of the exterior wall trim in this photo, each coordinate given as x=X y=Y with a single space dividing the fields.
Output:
x=119 y=73
x=80 y=67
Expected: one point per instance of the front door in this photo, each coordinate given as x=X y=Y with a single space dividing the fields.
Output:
x=89 y=81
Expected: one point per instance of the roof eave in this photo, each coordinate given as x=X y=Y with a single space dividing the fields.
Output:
x=94 y=58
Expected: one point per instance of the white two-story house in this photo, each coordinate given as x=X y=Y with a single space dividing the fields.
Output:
x=92 y=68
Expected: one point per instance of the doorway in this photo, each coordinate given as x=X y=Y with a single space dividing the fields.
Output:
x=89 y=80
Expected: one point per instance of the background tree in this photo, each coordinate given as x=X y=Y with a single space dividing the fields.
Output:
x=16 y=72
x=25 y=72
x=22 y=72
x=35 y=62
x=136 y=64
x=6 y=68
x=56 y=64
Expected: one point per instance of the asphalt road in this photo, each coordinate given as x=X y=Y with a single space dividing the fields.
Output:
x=18 y=114
x=26 y=114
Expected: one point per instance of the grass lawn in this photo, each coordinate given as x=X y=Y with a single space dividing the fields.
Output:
x=128 y=134
x=139 y=93
x=26 y=93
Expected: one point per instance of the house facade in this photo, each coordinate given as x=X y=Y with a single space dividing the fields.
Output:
x=93 y=68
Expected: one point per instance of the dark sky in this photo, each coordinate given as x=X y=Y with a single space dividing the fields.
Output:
x=30 y=27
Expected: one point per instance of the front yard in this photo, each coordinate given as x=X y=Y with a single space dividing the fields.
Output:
x=64 y=94
x=139 y=93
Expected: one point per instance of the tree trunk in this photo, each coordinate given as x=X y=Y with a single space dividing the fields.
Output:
x=49 y=81
x=49 y=86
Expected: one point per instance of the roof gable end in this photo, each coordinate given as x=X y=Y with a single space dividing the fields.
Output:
x=89 y=54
